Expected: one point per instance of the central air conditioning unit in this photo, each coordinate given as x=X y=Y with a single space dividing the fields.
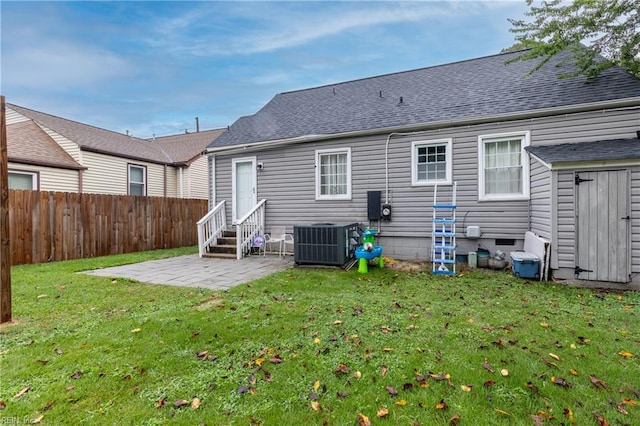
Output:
x=325 y=243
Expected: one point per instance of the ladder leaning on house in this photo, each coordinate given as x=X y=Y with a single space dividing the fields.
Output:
x=443 y=235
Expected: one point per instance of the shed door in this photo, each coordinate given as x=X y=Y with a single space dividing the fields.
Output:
x=603 y=226
x=244 y=186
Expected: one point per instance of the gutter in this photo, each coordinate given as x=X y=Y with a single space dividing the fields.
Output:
x=543 y=112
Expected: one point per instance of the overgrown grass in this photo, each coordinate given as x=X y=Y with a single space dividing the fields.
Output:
x=309 y=346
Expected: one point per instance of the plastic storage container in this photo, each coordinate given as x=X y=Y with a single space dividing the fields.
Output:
x=473 y=259
x=483 y=258
x=525 y=265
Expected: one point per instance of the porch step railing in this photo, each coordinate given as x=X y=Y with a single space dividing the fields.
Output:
x=250 y=225
x=211 y=226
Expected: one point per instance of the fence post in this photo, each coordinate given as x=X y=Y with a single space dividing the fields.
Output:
x=5 y=240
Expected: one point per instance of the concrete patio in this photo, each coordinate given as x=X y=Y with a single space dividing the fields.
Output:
x=193 y=271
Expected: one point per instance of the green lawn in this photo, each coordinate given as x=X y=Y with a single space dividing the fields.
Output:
x=317 y=347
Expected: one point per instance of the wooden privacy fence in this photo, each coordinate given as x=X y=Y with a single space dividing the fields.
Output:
x=51 y=226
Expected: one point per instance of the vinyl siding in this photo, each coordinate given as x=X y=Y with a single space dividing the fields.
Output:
x=51 y=178
x=635 y=220
x=565 y=242
x=72 y=148
x=540 y=203
x=196 y=182
x=288 y=183
x=108 y=175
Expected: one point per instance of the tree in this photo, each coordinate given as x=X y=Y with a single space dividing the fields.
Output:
x=600 y=33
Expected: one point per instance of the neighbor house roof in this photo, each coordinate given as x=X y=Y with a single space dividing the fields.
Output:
x=99 y=140
x=187 y=147
x=614 y=149
x=29 y=144
x=472 y=89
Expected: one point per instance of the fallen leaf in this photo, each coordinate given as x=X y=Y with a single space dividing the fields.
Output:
x=407 y=386
x=621 y=409
x=560 y=382
x=383 y=370
x=337 y=322
x=533 y=387
x=504 y=372
x=58 y=351
x=180 y=403
x=573 y=372
x=195 y=404
x=597 y=382
x=391 y=391
x=401 y=402
x=626 y=354
x=316 y=406
x=357 y=374
x=554 y=356
x=36 y=420
x=569 y=413
x=387 y=349
x=342 y=369
x=363 y=420
x=242 y=389
x=275 y=360
x=22 y=392
x=466 y=388
x=537 y=420
x=600 y=418
x=2 y=405
x=77 y=375
x=161 y=403
x=454 y=419
x=254 y=421
x=342 y=394
x=544 y=324
x=442 y=405
x=136 y=330
x=382 y=412
x=316 y=385
x=316 y=340
x=487 y=366
x=627 y=401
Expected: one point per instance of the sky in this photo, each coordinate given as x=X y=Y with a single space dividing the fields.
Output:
x=151 y=67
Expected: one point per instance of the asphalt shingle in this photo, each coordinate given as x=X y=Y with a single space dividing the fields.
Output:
x=475 y=88
x=29 y=144
x=614 y=149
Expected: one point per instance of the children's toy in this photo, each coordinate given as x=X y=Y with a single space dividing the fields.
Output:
x=368 y=251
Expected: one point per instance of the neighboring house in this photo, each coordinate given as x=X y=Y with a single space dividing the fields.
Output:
x=51 y=153
x=515 y=145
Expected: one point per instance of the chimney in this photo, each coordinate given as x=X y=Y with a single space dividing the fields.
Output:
x=197 y=125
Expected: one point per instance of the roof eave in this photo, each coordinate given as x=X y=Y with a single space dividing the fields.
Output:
x=30 y=162
x=591 y=106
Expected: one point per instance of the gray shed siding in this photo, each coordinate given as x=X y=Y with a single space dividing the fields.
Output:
x=635 y=221
x=564 y=246
x=540 y=203
x=288 y=183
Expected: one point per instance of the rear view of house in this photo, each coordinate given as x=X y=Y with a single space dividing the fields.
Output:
x=559 y=157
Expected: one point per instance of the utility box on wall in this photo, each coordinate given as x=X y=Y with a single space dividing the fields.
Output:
x=374 y=205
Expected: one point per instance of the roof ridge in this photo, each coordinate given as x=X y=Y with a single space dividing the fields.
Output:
x=73 y=121
x=402 y=72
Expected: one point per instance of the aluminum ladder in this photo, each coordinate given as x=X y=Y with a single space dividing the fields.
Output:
x=443 y=235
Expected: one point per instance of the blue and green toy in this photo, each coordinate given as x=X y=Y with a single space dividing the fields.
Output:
x=368 y=251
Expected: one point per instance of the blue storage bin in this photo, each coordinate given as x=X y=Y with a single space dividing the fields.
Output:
x=525 y=265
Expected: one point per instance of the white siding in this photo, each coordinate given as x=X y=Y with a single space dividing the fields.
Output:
x=196 y=182
x=71 y=147
x=172 y=182
x=288 y=181
x=108 y=175
x=51 y=178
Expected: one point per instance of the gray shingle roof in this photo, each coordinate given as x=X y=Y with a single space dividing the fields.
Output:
x=614 y=149
x=474 y=88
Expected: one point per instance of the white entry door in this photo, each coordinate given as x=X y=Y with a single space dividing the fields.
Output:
x=244 y=186
x=603 y=221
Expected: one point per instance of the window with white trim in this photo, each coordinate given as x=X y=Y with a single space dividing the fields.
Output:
x=503 y=166
x=333 y=174
x=431 y=162
x=137 y=180
x=23 y=180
